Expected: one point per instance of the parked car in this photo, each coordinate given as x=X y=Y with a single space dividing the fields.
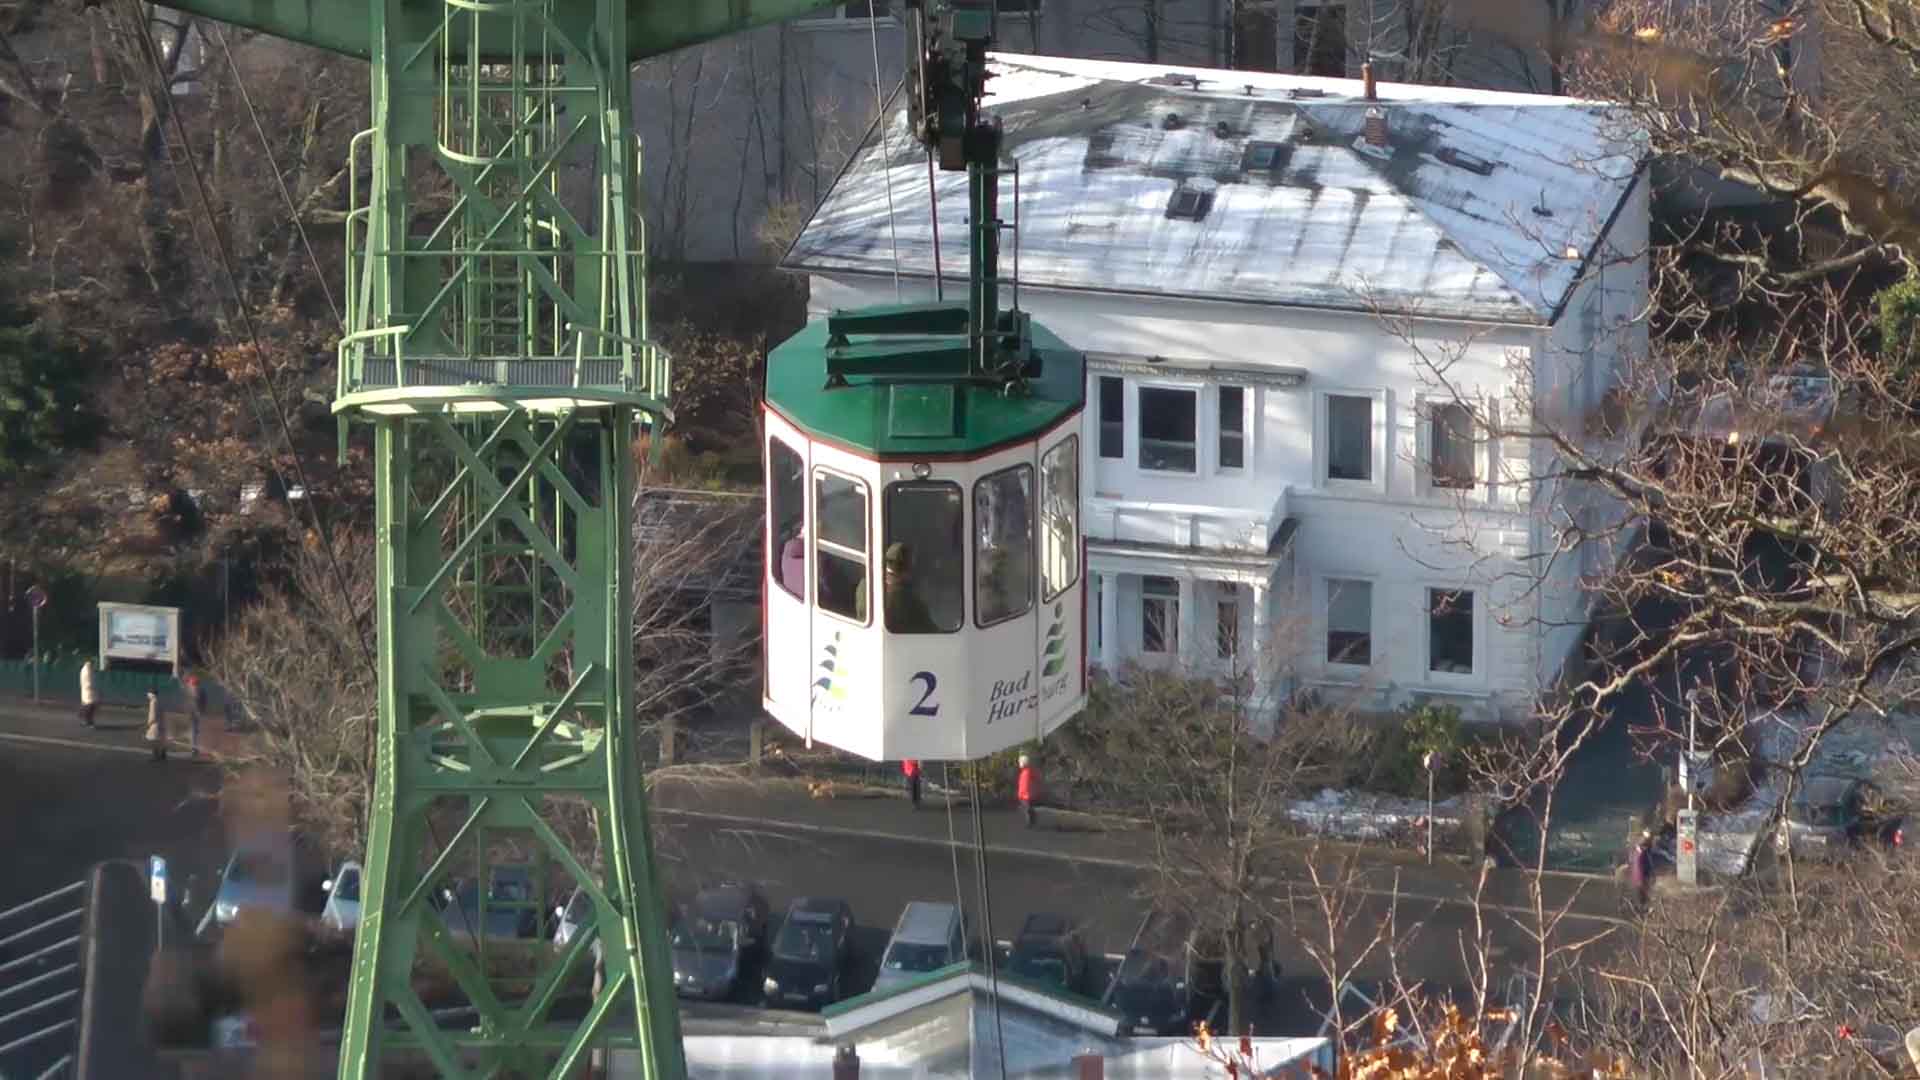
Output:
x=1206 y=955
x=930 y=935
x=1049 y=949
x=572 y=917
x=512 y=907
x=1829 y=815
x=1153 y=993
x=259 y=874
x=808 y=963
x=712 y=938
x=342 y=910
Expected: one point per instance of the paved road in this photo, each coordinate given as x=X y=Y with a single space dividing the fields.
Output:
x=94 y=795
x=880 y=874
x=74 y=798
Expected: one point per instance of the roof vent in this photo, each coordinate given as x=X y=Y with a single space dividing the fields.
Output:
x=1460 y=159
x=1189 y=204
x=1223 y=129
x=1171 y=122
x=1541 y=209
x=1265 y=157
x=1299 y=92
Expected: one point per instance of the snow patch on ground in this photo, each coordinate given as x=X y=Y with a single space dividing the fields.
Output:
x=1359 y=815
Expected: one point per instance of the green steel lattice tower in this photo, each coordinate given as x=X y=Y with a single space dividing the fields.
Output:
x=496 y=344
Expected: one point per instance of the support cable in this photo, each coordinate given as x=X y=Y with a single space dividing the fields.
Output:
x=293 y=210
x=225 y=257
x=933 y=201
x=986 y=919
x=886 y=151
x=224 y=254
x=953 y=842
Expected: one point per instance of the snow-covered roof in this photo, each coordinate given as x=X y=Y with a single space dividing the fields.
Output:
x=1484 y=206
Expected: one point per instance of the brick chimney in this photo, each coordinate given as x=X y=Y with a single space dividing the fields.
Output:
x=1089 y=1067
x=1375 y=131
x=846 y=1064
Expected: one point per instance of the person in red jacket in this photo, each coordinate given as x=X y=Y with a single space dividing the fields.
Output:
x=910 y=768
x=1028 y=779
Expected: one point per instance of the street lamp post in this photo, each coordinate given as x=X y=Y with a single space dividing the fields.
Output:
x=36 y=599
x=1428 y=760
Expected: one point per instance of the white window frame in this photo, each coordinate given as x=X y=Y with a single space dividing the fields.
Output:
x=1100 y=417
x=1247 y=412
x=1136 y=418
x=1323 y=440
x=1227 y=594
x=1324 y=607
x=817 y=543
x=1483 y=449
x=836 y=18
x=1171 y=626
x=1474 y=678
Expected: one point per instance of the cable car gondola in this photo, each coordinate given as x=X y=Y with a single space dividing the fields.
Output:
x=923 y=576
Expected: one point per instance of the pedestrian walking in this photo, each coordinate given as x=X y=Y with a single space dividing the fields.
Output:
x=1027 y=781
x=910 y=768
x=1640 y=869
x=88 y=699
x=156 y=726
x=196 y=708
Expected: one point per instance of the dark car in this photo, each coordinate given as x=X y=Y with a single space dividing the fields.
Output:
x=713 y=936
x=1152 y=994
x=1206 y=958
x=1049 y=950
x=808 y=963
x=1831 y=815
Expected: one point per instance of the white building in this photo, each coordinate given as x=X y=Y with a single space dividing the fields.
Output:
x=1295 y=321
x=957 y=1024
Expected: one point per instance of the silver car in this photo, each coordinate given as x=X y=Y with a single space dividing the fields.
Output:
x=342 y=911
x=258 y=875
x=929 y=936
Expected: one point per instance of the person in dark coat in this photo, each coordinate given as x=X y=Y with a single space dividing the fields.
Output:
x=196 y=708
x=1640 y=869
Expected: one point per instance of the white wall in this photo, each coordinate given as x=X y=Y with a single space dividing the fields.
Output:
x=1595 y=346
x=1395 y=532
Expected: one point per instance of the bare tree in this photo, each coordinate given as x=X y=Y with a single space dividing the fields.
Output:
x=1193 y=753
x=294 y=662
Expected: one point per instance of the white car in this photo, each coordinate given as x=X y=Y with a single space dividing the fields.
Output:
x=569 y=919
x=343 y=898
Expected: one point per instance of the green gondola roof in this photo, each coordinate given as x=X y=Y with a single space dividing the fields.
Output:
x=918 y=418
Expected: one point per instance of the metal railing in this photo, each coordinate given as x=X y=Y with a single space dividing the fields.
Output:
x=40 y=983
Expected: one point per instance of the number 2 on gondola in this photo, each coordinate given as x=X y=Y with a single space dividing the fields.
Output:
x=927 y=706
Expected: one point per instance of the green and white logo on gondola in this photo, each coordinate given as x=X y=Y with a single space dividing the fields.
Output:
x=1053 y=652
x=831 y=675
